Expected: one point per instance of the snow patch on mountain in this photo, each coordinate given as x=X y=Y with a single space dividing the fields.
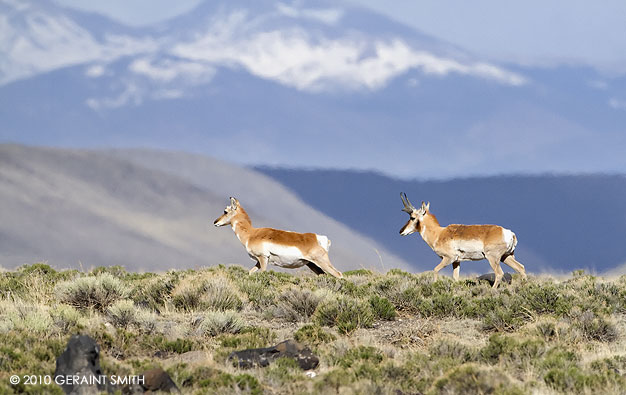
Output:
x=34 y=40
x=299 y=59
x=297 y=46
x=329 y=16
x=168 y=70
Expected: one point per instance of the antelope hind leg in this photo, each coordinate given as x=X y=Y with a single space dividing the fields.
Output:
x=316 y=269
x=518 y=267
x=323 y=263
x=456 y=266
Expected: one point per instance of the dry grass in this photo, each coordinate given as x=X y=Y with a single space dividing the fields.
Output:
x=373 y=332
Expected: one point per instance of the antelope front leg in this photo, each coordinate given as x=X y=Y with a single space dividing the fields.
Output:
x=444 y=262
x=495 y=265
x=260 y=264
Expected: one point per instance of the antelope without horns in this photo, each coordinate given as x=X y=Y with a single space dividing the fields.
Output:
x=278 y=247
x=456 y=243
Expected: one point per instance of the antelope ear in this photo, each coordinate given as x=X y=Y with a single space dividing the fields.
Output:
x=234 y=203
x=428 y=206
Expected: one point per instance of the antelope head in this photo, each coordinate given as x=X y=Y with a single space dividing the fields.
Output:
x=416 y=215
x=229 y=213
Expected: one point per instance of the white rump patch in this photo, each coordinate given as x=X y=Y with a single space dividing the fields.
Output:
x=323 y=241
x=508 y=237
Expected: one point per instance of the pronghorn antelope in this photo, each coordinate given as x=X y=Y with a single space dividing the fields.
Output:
x=456 y=243
x=278 y=247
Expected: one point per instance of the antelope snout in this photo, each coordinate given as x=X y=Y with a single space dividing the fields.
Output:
x=406 y=230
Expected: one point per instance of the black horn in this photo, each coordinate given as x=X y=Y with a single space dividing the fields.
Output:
x=408 y=207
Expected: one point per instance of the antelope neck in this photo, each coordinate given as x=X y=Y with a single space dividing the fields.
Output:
x=242 y=226
x=429 y=229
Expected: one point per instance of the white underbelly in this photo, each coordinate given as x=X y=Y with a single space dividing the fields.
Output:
x=283 y=256
x=469 y=250
x=471 y=256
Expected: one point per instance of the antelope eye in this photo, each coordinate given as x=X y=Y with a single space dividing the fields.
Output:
x=225 y=212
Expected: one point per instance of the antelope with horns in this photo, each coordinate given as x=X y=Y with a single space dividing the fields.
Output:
x=456 y=243
x=278 y=247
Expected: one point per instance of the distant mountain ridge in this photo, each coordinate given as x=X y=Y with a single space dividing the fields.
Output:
x=148 y=210
x=563 y=223
x=311 y=83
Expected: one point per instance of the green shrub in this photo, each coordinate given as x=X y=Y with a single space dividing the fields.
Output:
x=115 y=270
x=615 y=364
x=313 y=334
x=557 y=357
x=453 y=350
x=187 y=297
x=219 y=295
x=211 y=380
x=250 y=337
x=359 y=354
x=575 y=380
x=217 y=322
x=346 y=313
x=596 y=328
x=296 y=305
x=258 y=291
x=473 y=379
x=67 y=318
x=383 y=309
x=544 y=299
x=38 y=269
x=547 y=330
x=401 y=291
x=97 y=292
x=155 y=292
x=505 y=347
x=178 y=346
x=22 y=315
x=284 y=371
x=441 y=305
x=213 y=293
x=502 y=320
x=122 y=314
x=358 y=272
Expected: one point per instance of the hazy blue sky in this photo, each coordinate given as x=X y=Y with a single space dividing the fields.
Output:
x=529 y=32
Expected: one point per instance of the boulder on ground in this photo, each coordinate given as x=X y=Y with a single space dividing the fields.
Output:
x=491 y=278
x=151 y=381
x=78 y=368
x=157 y=379
x=264 y=356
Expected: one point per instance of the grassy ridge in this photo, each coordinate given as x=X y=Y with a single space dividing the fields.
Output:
x=373 y=332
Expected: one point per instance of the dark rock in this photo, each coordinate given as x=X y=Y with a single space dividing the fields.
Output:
x=151 y=381
x=157 y=379
x=78 y=368
x=264 y=356
x=491 y=277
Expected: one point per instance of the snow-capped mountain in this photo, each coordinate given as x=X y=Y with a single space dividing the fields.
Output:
x=305 y=83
